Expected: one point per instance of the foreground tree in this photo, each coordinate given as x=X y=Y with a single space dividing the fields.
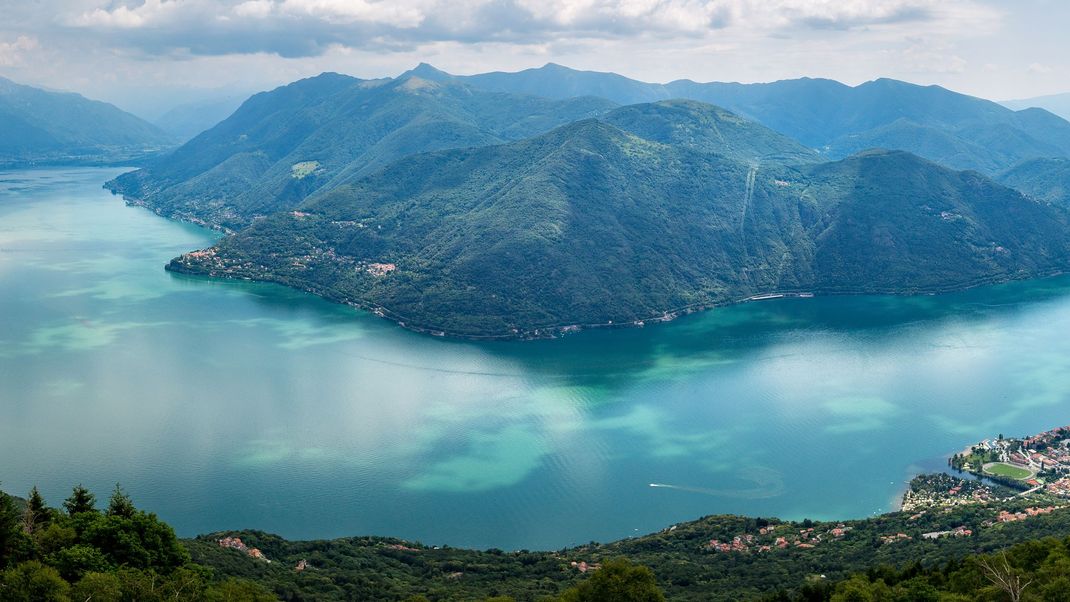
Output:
x=13 y=540
x=617 y=581
x=37 y=513
x=33 y=582
x=120 y=504
x=81 y=501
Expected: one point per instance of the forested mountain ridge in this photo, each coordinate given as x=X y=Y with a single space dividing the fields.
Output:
x=957 y=130
x=593 y=225
x=41 y=126
x=282 y=145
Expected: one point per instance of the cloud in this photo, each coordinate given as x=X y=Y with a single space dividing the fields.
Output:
x=11 y=53
x=1039 y=69
x=924 y=56
x=294 y=28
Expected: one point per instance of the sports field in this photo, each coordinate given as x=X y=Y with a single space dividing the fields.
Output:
x=1006 y=470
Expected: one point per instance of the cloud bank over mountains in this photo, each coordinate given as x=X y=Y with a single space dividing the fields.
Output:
x=127 y=51
x=299 y=28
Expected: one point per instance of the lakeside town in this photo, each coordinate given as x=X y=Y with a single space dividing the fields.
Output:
x=1006 y=480
x=1037 y=463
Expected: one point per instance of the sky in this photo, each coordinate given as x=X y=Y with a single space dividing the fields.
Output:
x=147 y=56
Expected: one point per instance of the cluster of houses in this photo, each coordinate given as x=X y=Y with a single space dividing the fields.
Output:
x=235 y=543
x=885 y=539
x=1060 y=487
x=956 y=532
x=583 y=567
x=1010 y=517
x=806 y=538
x=380 y=269
x=944 y=491
x=1045 y=451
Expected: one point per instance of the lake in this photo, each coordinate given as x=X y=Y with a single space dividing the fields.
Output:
x=225 y=405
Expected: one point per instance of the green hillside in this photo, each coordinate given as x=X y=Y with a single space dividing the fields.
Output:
x=592 y=225
x=707 y=128
x=342 y=127
x=1042 y=179
x=40 y=126
x=78 y=551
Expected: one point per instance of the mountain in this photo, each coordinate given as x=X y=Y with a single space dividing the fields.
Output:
x=707 y=128
x=1046 y=180
x=556 y=81
x=40 y=126
x=187 y=120
x=1055 y=103
x=591 y=224
x=281 y=146
x=959 y=131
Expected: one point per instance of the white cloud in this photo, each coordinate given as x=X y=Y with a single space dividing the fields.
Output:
x=125 y=17
x=11 y=53
x=386 y=12
x=257 y=9
x=309 y=27
x=1040 y=69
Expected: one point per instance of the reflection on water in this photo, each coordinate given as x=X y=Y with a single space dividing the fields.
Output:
x=235 y=404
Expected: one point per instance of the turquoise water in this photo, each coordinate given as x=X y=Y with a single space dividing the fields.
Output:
x=225 y=405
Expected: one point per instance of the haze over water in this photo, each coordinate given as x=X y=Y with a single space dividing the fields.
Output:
x=225 y=405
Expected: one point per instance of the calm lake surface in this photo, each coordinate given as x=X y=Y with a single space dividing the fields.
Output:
x=224 y=405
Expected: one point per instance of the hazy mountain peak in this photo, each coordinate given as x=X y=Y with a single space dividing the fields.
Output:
x=426 y=71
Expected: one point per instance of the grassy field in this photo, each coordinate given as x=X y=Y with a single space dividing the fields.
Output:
x=1006 y=470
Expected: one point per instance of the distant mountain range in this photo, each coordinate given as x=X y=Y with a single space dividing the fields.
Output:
x=468 y=206
x=40 y=126
x=960 y=131
x=187 y=120
x=1056 y=103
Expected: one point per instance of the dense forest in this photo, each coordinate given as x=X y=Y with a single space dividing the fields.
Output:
x=959 y=552
x=606 y=227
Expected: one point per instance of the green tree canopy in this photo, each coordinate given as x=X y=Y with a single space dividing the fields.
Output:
x=617 y=581
x=81 y=500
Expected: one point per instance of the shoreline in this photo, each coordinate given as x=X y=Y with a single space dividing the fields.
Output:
x=561 y=330
x=555 y=331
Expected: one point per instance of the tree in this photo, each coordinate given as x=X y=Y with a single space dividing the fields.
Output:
x=236 y=590
x=33 y=582
x=9 y=528
x=81 y=500
x=141 y=541
x=77 y=560
x=1002 y=575
x=98 y=587
x=617 y=581
x=120 y=504
x=37 y=514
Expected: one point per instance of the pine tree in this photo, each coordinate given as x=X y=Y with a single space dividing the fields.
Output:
x=36 y=514
x=81 y=500
x=120 y=504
